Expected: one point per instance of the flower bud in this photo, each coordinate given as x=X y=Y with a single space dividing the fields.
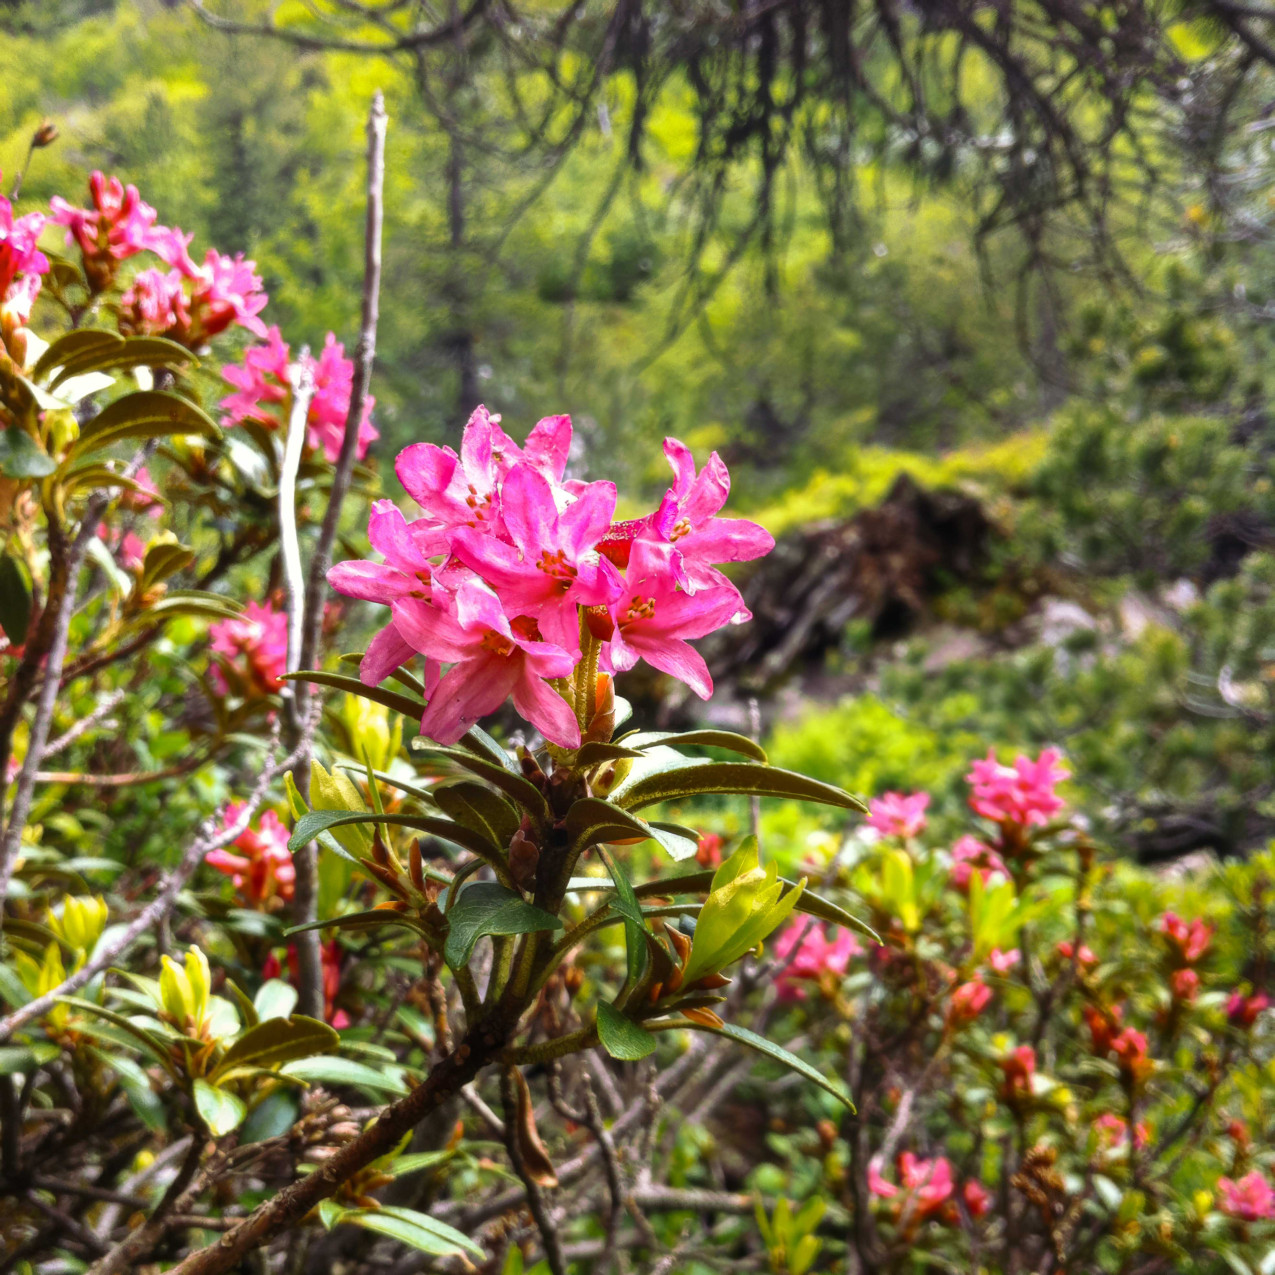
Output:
x=45 y=135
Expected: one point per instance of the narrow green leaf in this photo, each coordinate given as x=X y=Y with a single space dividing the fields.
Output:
x=489 y=908
x=272 y=1117
x=417 y=1230
x=25 y=1058
x=726 y=739
x=592 y=820
x=483 y=745
x=367 y=920
x=136 y=1084
x=410 y=708
x=475 y=806
x=414 y=1163
x=330 y=1070
x=73 y=345
x=621 y=1037
x=279 y=1040
x=595 y=752
x=151 y=1043
x=636 y=935
x=22 y=457
x=512 y=784
x=311 y=824
x=698 y=777
x=219 y=1109
x=763 y=1046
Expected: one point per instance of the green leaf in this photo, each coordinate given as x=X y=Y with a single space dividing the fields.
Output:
x=15 y=599
x=150 y=1042
x=636 y=935
x=220 y=1110
x=25 y=1058
x=483 y=745
x=330 y=1070
x=145 y=414
x=136 y=1084
x=414 y=1163
x=417 y=1230
x=272 y=1117
x=726 y=739
x=365 y=920
x=74 y=345
x=595 y=753
x=316 y=821
x=763 y=1046
x=592 y=820
x=138 y=351
x=274 y=999
x=22 y=457
x=512 y=784
x=696 y=777
x=477 y=807
x=490 y=908
x=621 y=1037
x=278 y=1040
x=407 y=705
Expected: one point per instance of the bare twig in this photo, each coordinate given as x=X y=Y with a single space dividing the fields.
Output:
x=308 y=623
x=535 y=1200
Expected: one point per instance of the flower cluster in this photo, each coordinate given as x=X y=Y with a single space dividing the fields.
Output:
x=894 y=815
x=928 y=1189
x=516 y=577
x=262 y=393
x=190 y=302
x=807 y=955
x=331 y=955
x=255 y=645
x=21 y=264
x=1251 y=1199
x=1021 y=794
x=262 y=871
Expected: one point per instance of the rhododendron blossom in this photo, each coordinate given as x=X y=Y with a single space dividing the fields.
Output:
x=970 y=855
x=256 y=644
x=1251 y=1199
x=928 y=1184
x=1021 y=794
x=262 y=871
x=1086 y=956
x=1189 y=939
x=117 y=226
x=19 y=253
x=331 y=955
x=1003 y=962
x=894 y=815
x=1184 y=984
x=262 y=394
x=513 y=577
x=1019 y=1067
x=816 y=958
x=968 y=1002
x=1243 y=1011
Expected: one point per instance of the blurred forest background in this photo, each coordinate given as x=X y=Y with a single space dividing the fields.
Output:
x=983 y=337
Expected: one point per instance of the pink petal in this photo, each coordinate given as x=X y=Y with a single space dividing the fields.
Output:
x=674 y=657
x=586 y=521
x=549 y=445
x=386 y=652
x=432 y=631
x=708 y=493
x=390 y=535
x=425 y=472
x=529 y=511
x=547 y=711
x=470 y=691
x=477 y=607
x=683 y=463
x=727 y=540
x=370 y=581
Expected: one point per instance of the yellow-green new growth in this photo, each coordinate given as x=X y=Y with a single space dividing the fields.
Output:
x=746 y=903
x=185 y=992
x=81 y=924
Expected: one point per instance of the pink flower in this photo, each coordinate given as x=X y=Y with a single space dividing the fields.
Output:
x=877 y=1184
x=1112 y=1130
x=464 y=491
x=968 y=1002
x=1019 y=1068
x=492 y=659
x=116 y=227
x=1130 y=1049
x=653 y=619
x=263 y=393
x=1003 y=962
x=894 y=815
x=928 y=1183
x=264 y=871
x=225 y=290
x=1066 y=950
x=978 y=1199
x=687 y=520
x=970 y=855
x=1021 y=794
x=1190 y=939
x=19 y=251
x=1251 y=1199
x=1185 y=984
x=128 y=549
x=155 y=305
x=256 y=643
x=817 y=958
x=708 y=853
x=549 y=566
x=144 y=498
x=331 y=956
x=1243 y=1011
